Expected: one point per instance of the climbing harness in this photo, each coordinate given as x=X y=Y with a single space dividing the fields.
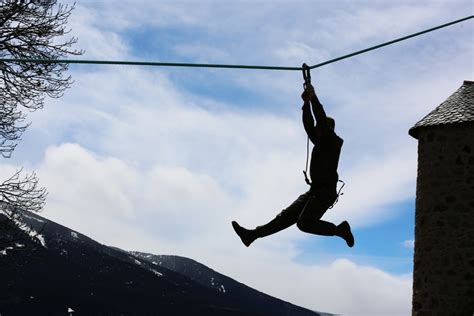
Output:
x=339 y=193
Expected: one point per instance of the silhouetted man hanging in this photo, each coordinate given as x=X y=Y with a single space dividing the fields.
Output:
x=307 y=210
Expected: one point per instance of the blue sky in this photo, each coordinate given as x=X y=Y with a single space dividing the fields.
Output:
x=162 y=159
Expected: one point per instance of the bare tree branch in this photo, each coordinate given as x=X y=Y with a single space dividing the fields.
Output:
x=30 y=29
x=16 y=195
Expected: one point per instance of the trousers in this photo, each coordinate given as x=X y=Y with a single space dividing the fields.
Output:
x=306 y=212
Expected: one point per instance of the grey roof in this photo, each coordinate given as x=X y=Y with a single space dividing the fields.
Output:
x=458 y=108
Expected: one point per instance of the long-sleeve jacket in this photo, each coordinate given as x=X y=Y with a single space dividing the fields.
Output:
x=327 y=146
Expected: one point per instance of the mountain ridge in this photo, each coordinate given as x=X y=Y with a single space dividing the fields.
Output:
x=69 y=270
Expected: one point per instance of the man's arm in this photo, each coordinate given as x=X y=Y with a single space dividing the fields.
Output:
x=308 y=121
x=317 y=107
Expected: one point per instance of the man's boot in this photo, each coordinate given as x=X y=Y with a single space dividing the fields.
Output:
x=247 y=236
x=344 y=231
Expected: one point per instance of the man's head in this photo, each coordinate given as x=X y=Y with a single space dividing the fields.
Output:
x=330 y=123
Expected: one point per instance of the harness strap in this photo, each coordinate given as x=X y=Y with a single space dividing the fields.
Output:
x=339 y=193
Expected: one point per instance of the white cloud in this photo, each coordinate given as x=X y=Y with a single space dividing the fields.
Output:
x=410 y=244
x=342 y=287
x=106 y=189
x=97 y=41
x=372 y=25
x=77 y=180
x=375 y=184
x=201 y=53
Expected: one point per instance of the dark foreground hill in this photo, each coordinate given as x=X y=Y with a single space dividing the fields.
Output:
x=62 y=271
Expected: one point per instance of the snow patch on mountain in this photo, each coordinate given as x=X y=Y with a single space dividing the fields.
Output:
x=27 y=229
x=222 y=288
x=40 y=238
x=4 y=251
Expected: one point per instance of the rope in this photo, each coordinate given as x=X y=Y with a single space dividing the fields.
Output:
x=391 y=42
x=305 y=171
x=141 y=63
x=167 y=64
x=307 y=81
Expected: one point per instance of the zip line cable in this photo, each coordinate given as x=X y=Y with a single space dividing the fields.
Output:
x=391 y=42
x=168 y=64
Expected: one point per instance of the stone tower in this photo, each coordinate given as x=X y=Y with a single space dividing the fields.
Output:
x=443 y=275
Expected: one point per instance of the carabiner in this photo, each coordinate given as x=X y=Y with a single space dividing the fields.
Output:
x=306 y=73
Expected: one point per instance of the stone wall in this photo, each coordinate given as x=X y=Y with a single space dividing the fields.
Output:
x=443 y=276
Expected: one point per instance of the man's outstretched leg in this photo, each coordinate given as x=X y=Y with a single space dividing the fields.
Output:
x=309 y=221
x=285 y=219
x=323 y=228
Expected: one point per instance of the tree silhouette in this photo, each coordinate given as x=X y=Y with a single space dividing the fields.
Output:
x=34 y=30
x=16 y=194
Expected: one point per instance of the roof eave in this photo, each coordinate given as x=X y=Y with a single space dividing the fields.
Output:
x=413 y=132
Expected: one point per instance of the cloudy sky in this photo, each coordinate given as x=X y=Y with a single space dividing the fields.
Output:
x=163 y=159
